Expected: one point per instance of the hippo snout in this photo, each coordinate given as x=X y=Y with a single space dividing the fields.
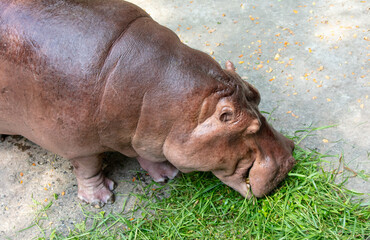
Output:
x=274 y=160
x=266 y=174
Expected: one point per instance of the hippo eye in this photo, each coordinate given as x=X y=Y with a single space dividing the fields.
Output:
x=226 y=116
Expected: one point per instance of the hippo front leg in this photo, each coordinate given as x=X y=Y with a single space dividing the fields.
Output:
x=159 y=171
x=93 y=186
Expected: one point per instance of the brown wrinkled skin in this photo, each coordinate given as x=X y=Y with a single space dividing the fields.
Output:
x=80 y=78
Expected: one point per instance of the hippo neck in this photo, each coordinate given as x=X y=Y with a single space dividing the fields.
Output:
x=151 y=82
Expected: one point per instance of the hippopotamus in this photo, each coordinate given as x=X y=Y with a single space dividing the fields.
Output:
x=80 y=78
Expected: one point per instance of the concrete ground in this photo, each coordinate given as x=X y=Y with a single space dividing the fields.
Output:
x=309 y=60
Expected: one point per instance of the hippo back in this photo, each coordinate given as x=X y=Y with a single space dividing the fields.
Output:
x=65 y=36
x=52 y=59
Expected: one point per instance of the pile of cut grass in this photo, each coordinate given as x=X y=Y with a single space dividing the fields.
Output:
x=307 y=205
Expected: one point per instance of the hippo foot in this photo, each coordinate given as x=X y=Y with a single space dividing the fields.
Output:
x=96 y=191
x=159 y=171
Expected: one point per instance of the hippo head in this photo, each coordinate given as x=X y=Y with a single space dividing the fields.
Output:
x=231 y=138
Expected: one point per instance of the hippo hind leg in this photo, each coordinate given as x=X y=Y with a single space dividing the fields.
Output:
x=159 y=171
x=93 y=187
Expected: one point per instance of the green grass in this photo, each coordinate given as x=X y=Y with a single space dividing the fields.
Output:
x=307 y=205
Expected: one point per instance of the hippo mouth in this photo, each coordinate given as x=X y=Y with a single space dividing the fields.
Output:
x=249 y=191
x=265 y=178
x=247 y=181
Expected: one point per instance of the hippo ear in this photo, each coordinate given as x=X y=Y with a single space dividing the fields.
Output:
x=253 y=127
x=230 y=66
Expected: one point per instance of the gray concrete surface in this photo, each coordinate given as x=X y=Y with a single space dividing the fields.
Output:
x=309 y=60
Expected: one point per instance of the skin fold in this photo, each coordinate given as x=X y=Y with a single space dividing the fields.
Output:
x=81 y=78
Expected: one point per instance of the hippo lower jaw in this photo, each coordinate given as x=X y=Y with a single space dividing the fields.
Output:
x=239 y=180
